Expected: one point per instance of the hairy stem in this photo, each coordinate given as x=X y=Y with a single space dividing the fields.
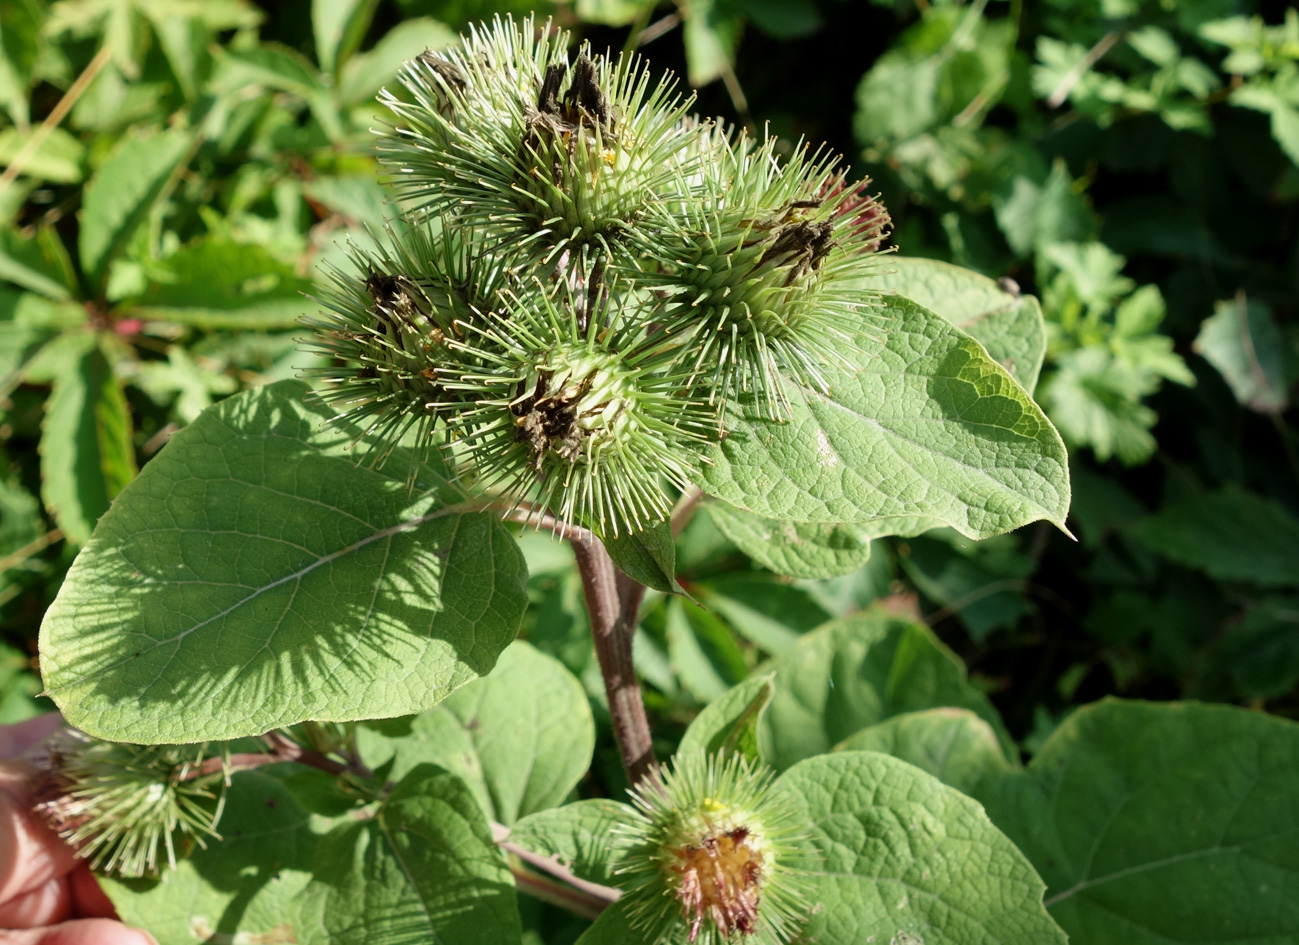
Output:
x=612 y=609
x=613 y=603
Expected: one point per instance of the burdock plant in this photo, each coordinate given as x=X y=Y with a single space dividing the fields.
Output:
x=588 y=279
x=591 y=311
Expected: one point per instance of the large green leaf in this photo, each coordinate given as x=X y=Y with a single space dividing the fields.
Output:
x=86 y=452
x=215 y=283
x=905 y=859
x=120 y=196
x=1155 y=824
x=521 y=738
x=797 y=549
x=580 y=834
x=423 y=869
x=241 y=888
x=854 y=673
x=1230 y=534
x=254 y=576
x=954 y=745
x=1009 y=325
x=928 y=426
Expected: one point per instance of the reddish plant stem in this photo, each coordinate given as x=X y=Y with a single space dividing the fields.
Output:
x=612 y=604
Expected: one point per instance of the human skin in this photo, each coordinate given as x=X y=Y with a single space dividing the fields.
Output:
x=47 y=896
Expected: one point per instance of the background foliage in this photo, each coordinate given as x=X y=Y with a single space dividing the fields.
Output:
x=1134 y=165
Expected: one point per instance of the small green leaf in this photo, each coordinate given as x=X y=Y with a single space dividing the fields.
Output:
x=39 y=264
x=1241 y=340
x=119 y=198
x=243 y=886
x=796 y=549
x=254 y=576
x=338 y=27
x=905 y=859
x=954 y=745
x=271 y=65
x=367 y=72
x=579 y=834
x=928 y=426
x=214 y=283
x=59 y=158
x=855 y=673
x=522 y=737
x=711 y=34
x=1161 y=823
x=610 y=12
x=769 y=613
x=703 y=651
x=1231 y=534
x=648 y=556
x=86 y=452
x=730 y=722
x=1008 y=325
x=423 y=869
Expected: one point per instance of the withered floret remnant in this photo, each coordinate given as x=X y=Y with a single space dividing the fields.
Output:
x=716 y=852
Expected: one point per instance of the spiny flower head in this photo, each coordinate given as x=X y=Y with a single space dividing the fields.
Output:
x=509 y=136
x=587 y=281
x=714 y=856
x=758 y=268
x=126 y=807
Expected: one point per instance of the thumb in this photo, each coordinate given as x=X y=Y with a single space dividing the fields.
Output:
x=80 y=932
x=30 y=853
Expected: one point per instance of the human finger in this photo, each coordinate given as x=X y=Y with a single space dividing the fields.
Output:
x=30 y=853
x=80 y=932
x=20 y=736
x=88 y=898
x=44 y=905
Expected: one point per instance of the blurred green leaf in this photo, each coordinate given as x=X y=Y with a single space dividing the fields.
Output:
x=39 y=263
x=1241 y=340
x=216 y=283
x=122 y=193
x=768 y=612
x=86 y=452
x=365 y=73
x=338 y=27
x=704 y=655
x=1231 y=534
x=711 y=34
x=58 y=158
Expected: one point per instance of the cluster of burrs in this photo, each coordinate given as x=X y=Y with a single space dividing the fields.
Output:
x=585 y=279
